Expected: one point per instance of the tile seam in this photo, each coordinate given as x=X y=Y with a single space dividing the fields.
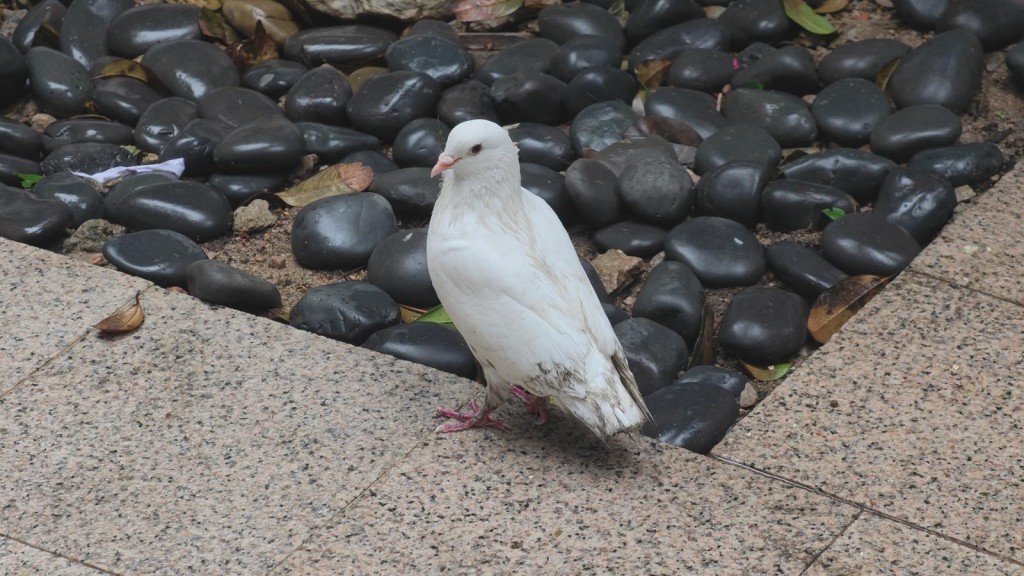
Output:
x=814 y=559
x=58 y=555
x=911 y=273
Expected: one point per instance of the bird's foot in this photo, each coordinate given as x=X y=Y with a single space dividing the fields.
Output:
x=477 y=418
x=535 y=404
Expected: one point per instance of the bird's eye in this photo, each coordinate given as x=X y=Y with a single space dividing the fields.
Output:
x=476 y=149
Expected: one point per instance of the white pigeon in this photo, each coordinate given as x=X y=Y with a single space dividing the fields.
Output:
x=508 y=276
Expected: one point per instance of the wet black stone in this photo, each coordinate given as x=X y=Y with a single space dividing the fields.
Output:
x=729 y=380
x=920 y=14
x=722 y=253
x=195 y=145
x=913 y=129
x=785 y=116
x=320 y=95
x=440 y=58
x=348 y=311
x=128 y=185
x=595 y=281
x=749 y=21
x=31 y=220
x=790 y=205
x=469 y=100
x=945 y=70
x=273 y=77
x=802 y=269
x=593 y=190
x=123 y=99
x=411 y=191
x=655 y=353
x=669 y=42
x=399 y=265
x=332 y=143
x=11 y=166
x=997 y=23
x=917 y=201
x=543 y=144
x=83 y=32
x=426 y=343
x=563 y=22
x=533 y=55
x=694 y=416
x=88 y=157
x=546 y=184
x=50 y=12
x=345 y=46
x=76 y=130
x=19 y=140
x=160 y=256
x=733 y=191
x=530 y=97
x=1015 y=62
x=221 y=283
x=13 y=74
x=581 y=53
x=374 y=159
x=85 y=202
x=701 y=69
x=658 y=191
x=387 y=102
x=601 y=84
x=614 y=313
x=191 y=208
x=867 y=243
x=789 y=69
x=341 y=231
x=163 y=121
x=191 y=68
x=649 y=16
x=858 y=173
x=235 y=105
x=737 y=143
x=599 y=126
x=633 y=238
x=140 y=28
x=764 y=326
x=60 y=85
x=861 y=59
x=267 y=144
x=620 y=155
x=848 y=110
x=238 y=188
x=961 y=164
x=674 y=298
x=420 y=142
x=697 y=110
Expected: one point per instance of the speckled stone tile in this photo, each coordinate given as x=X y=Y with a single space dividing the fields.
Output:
x=552 y=500
x=17 y=559
x=206 y=442
x=47 y=301
x=915 y=409
x=873 y=545
x=983 y=247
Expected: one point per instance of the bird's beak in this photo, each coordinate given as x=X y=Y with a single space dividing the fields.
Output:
x=444 y=162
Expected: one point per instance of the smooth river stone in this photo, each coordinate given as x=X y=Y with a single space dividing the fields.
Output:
x=945 y=70
x=140 y=28
x=19 y=140
x=49 y=12
x=788 y=69
x=593 y=190
x=737 y=143
x=31 y=220
x=694 y=415
x=790 y=205
x=411 y=191
x=764 y=326
x=162 y=121
x=547 y=185
x=128 y=185
x=848 y=110
x=348 y=311
x=440 y=58
x=563 y=22
x=11 y=166
x=191 y=208
x=997 y=23
x=160 y=256
x=420 y=142
x=856 y=172
x=695 y=109
x=374 y=160
x=655 y=353
x=533 y=55
x=273 y=77
x=543 y=144
x=332 y=143
x=83 y=33
x=78 y=130
x=343 y=46
x=785 y=116
x=267 y=144
x=729 y=380
x=701 y=69
x=633 y=238
x=340 y=232
x=623 y=154
x=733 y=191
x=399 y=265
x=195 y=145
x=387 y=102
x=599 y=84
x=1015 y=63
x=802 y=269
x=235 y=105
x=674 y=298
x=649 y=16
x=581 y=53
x=469 y=100
x=913 y=129
x=89 y=157
x=600 y=126
x=239 y=188
x=867 y=243
x=917 y=201
x=669 y=42
x=722 y=253
x=60 y=85
x=123 y=99
x=427 y=343
x=221 y=283
x=85 y=202
x=920 y=14
x=749 y=21
x=961 y=164
x=659 y=191
x=13 y=74
x=530 y=97
x=191 y=68
x=320 y=95
x=861 y=59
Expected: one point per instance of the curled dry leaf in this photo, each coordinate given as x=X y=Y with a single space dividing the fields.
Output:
x=259 y=48
x=703 y=349
x=651 y=73
x=129 y=68
x=767 y=373
x=331 y=181
x=476 y=10
x=830 y=6
x=835 y=306
x=214 y=25
x=124 y=320
x=410 y=314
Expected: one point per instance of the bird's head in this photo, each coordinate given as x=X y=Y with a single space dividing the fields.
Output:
x=475 y=146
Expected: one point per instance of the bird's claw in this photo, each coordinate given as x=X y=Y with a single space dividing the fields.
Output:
x=535 y=404
x=476 y=418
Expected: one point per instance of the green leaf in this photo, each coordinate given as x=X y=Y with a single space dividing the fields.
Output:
x=799 y=12
x=834 y=213
x=29 y=180
x=437 y=315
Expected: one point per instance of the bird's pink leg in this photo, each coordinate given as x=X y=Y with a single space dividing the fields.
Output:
x=479 y=417
x=535 y=404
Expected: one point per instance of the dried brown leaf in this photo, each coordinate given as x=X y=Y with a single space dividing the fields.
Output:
x=476 y=10
x=129 y=68
x=331 y=181
x=704 y=349
x=835 y=306
x=259 y=48
x=883 y=76
x=124 y=320
x=651 y=73
x=410 y=314
x=207 y=4
x=830 y=6
x=214 y=25
x=767 y=373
